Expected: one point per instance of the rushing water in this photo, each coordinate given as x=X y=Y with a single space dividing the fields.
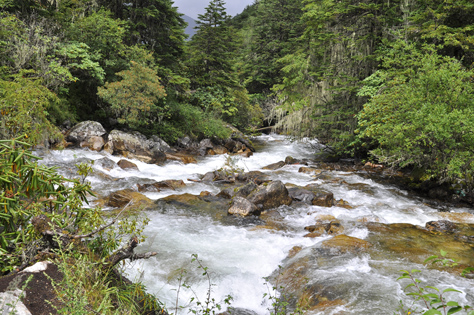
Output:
x=240 y=256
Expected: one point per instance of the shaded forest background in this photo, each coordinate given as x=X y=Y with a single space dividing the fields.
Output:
x=389 y=80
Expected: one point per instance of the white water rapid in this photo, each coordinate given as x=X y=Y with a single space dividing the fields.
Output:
x=239 y=256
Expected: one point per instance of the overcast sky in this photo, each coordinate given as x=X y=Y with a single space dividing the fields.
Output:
x=194 y=7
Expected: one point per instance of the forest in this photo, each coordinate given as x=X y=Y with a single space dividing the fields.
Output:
x=388 y=80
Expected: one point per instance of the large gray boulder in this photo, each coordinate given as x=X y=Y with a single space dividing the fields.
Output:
x=87 y=134
x=136 y=146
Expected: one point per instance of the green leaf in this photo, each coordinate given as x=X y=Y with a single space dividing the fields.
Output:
x=431 y=287
x=454 y=310
x=430 y=258
x=451 y=290
x=432 y=312
x=443 y=253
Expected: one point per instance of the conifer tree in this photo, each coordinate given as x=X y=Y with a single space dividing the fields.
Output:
x=212 y=48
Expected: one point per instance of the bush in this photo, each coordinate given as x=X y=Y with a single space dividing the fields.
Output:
x=23 y=108
x=423 y=118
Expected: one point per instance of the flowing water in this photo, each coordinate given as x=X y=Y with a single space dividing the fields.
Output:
x=239 y=254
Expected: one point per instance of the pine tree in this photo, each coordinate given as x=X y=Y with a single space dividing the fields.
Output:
x=212 y=49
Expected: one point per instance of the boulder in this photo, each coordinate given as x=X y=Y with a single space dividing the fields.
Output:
x=205 y=146
x=274 y=166
x=105 y=163
x=182 y=157
x=309 y=170
x=243 y=207
x=186 y=143
x=442 y=226
x=302 y=195
x=292 y=161
x=346 y=243
x=158 y=186
x=137 y=146
x=127 y=165
x=242 y=191
x=323 y=198
x=94 y=143
x=83 y=131
x=202 y=204
x=254 y=176
x=335 y=228
x=121 y=198
x=271 y=195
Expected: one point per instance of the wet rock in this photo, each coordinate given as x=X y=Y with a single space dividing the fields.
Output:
x=322 y=198
x=127 y=165
x=137 y=146
x=243 y=207
x=442 y=226
x=205 y=146
x=186 y=143
x=208 y=177
x=417 y=243
x=83 y=131
x=295 y=250
x=221 y=176
x=207 y=204
x=335 y=228
x=460 y=217
x=313 y=234
x=106 y=163
x=292 y=161
x=274 y=166
x=271 y=195
x=342 y=204
x=302 y=195
x=182 y=157
x=242 y=191
x=253 y=176
x=121 y=198
x=369 y=218
x=158 y=186
x=316 y=228
x=320 y=218
x=310 y=170
x=94 y=143
x=346 y=243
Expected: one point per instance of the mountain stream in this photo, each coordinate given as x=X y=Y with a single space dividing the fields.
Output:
x=240 y=253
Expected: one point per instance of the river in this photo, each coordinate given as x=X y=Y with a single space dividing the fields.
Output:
x=239 y=254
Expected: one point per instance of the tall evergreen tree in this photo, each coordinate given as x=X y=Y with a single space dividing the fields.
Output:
x=277 y=27
x=154 y=23
x=212 y=48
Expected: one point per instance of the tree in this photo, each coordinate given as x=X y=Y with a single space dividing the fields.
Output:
x=134 y=99
x=276 y=29
x=421 y=115
x=211 y=49
x=155 y=24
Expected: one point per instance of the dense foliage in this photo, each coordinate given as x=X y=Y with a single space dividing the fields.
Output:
x=365 y=77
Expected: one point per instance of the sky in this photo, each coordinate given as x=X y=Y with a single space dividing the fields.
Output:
x=194 y=7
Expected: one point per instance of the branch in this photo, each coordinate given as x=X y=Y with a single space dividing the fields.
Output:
x=102 y=227
x=127 y=252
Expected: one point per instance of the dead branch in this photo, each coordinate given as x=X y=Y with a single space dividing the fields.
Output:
x=126 y=252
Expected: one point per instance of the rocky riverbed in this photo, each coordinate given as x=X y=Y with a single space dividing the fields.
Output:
x=339 y=232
